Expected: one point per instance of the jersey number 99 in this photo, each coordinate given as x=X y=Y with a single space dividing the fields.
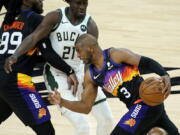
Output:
x=10 y=42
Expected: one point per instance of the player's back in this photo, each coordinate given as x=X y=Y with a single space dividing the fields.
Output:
x=12 y=36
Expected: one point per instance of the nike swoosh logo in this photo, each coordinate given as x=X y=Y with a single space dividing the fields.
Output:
x=110 y=67
x=95 y=77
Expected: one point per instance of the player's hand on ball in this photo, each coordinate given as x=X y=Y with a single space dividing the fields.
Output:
x=54 y=97
x=167 y=89
x=150 y=91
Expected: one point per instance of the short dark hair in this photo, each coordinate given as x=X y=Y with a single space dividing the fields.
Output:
x=13 y=9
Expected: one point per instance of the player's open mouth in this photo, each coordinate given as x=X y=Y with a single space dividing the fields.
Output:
x=82 y=12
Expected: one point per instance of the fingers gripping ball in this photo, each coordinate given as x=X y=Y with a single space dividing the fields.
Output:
x=150 y=91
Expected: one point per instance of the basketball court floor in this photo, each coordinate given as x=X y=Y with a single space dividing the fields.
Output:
x=147 y=27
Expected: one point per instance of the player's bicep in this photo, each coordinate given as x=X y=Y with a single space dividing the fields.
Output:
x=45 y=27
x=123 y=55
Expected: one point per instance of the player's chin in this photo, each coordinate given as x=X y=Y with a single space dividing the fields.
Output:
x=81 y=15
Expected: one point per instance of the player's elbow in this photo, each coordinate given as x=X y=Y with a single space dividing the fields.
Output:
x=31 y=40
x=86 y=106
x=86 y=112
x=87 y=109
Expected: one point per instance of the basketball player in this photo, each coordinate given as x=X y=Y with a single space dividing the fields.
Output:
x=116 y=70
x=17 y=92
x=64 y=26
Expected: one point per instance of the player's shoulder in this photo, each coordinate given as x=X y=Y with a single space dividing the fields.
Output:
x=55 y=13
x=33 y=19
x=30 y=13
x=92 y=27
x=117 y=54
x=53 y=16
x=33 y=16
x=115 y=51
x=91 y=21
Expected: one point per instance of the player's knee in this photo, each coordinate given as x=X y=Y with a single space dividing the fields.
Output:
x=109 y=119
x=102 y=113
x=106 y=120
x=44 y=128
x=104 y=125
x=79 y=122
x=107 y=123
x=82 y=129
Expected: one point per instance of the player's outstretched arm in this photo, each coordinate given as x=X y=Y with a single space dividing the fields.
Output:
x=42 y=31
x=87 y=101
x=30 y=41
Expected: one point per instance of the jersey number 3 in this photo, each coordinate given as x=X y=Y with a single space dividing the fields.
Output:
x=125 y=92
x=10 y=42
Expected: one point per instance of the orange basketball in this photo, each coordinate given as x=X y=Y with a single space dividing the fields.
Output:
x=157 y=131
x=150 y=91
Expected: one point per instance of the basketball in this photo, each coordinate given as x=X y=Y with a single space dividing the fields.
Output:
x=157 y=131
x=150 y=91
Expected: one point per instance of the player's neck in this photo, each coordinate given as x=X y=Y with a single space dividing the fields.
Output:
x=98 y=60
